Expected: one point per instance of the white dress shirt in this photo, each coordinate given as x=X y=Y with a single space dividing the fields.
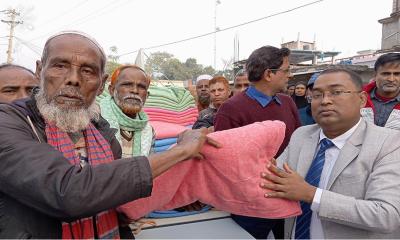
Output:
x=331 y=155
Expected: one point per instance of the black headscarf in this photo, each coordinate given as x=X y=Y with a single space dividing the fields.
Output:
x=300 y=101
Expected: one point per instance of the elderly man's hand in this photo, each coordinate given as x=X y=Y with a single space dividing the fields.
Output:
x=287 y=184
x=193 y=140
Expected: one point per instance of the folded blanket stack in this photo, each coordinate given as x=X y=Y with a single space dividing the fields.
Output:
x=166 y=134
x=170 y=109
x=172 y=105
x=170 y=98
x=183 y=118
x=162 y=145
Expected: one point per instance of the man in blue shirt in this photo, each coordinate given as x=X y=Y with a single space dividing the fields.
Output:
x=268 y=71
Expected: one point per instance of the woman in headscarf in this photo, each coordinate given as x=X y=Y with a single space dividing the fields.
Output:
x=290 y=89
x=299 y=96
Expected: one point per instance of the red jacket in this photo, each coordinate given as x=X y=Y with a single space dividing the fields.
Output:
x=368 y=112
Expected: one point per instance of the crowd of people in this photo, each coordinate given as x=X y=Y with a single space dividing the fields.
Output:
x=70 y=156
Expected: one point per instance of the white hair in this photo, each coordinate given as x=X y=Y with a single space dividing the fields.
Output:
x=66 y=119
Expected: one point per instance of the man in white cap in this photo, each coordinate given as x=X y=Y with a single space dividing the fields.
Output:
x=59 y=175
x=203 y=91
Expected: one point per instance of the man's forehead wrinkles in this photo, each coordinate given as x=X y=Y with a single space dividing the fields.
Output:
x=69 y=50
x=139 y=75
x=75 y=60
x=77 y=52
x=75 y=57
x=127 y=80
x=330 y=87
x=9 y=85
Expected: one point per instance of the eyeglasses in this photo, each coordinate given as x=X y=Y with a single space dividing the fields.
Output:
x=287 y=70
x=333 y=94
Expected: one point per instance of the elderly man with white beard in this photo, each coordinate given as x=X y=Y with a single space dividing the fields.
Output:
x=59 y=177
x=123 y=110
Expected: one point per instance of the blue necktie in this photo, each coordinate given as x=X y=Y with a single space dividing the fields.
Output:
x=303 y=221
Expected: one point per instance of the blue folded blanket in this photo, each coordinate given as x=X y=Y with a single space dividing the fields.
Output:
x=165 y=141
x=174 y=213
x=162 y=148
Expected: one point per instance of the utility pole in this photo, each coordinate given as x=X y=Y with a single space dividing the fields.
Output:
x=215 y=33
x=12 y=13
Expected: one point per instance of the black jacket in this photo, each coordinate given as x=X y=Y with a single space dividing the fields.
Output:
x=300 y=101
x=206 y=118
x=39 y=188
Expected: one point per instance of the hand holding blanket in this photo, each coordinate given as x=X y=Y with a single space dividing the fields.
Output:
x=228 y=178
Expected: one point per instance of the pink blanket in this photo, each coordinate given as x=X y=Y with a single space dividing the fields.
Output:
x=176 y=120
x=167 y=130
x=228 y=178
x=189 y=111
x=184 y=118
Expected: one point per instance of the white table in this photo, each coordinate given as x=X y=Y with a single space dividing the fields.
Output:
x=209 y=225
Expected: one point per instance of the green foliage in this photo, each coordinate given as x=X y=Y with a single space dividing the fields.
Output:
x=163 y=65
x=112 y=61
x=209 y=70
x=111 y=66
x=227 y=73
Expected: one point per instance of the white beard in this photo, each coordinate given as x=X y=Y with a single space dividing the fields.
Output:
x=66 y=119
x=128 y=108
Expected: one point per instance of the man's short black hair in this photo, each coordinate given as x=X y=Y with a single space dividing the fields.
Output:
x=9 y=65
x=264 y=58
x=387 y=58
x=355 y=78
x=240 y=73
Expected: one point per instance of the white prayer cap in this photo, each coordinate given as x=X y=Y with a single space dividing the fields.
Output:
x=204 y=77
x=79 y=33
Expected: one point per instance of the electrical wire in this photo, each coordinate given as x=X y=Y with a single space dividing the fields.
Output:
x=31 y=46
x=38 y=48
x=224 y=29
x=63 y=13
x=100 y=13
x=95 y=13
x=80 y=19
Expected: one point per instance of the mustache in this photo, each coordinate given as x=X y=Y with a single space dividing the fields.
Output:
x=388 y=83
x=133 y=96
x=70 y=92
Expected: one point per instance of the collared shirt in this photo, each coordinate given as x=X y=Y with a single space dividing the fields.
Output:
x=331 y=155
x=127 y=143
x=260 y=97
x=80 y=147
x=383 y=109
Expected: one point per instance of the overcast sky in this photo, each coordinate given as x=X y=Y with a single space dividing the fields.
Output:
x=347 y=26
